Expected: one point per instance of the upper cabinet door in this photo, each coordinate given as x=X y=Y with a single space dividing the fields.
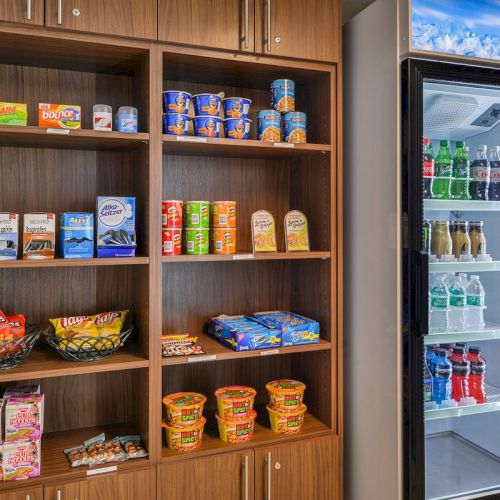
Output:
x=131 y=18
x=298 y=28
x=22 y=11
x=221 y=24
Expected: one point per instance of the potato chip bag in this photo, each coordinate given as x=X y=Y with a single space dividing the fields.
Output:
x=74 y=327
x=17 y=325
x=109 y=323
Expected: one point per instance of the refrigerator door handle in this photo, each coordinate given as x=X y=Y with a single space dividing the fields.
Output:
x=422 y=299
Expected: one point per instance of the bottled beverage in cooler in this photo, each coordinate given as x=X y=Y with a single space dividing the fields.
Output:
x=427 y=378
x=448 y=348
x=441 y=242
x=464 y=280
x=477 y=238
x=456 y=315
x=441 y=383
x=427 y=167
x=461 y=173
x=477 y=386
x=459 y=380
x=460 y=238
x=443 y=172
x=426 y=236
x=474 y=315
x=439 y=302
x=480 y=175
x=494 y=188
x=429 y=355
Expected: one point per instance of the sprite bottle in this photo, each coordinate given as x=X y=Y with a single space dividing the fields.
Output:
x=443 y=173
x=461 y=171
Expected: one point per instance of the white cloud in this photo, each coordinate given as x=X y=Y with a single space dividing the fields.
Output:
x=429 y=12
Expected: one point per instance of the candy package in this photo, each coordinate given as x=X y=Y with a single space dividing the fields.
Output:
x=114 y=451
x=180 y=345
x=133 y=446
x=96 y=450
x=109 y=323
x=77 y=456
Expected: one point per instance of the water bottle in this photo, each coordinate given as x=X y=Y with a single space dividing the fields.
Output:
x=456 y=314
x=474 y=315
x=441 y=383
x=439 y=302
x=464 y=280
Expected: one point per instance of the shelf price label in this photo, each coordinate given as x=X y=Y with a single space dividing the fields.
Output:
x=269 y=352
x=190 y=138
x=243 y=256
x=198 y=359
x=284 y=145
x=58 y=131
x=102 y=470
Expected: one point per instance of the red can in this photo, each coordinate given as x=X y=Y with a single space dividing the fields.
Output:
x=171 y=241
x=171 y=213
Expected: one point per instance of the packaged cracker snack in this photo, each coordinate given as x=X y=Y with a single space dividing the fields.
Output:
x=66 y=116
x=77 y=456
x=21 y=460
x=23 y=417
x=39 y=236
x=9 y=236
x=114 y=451
x=14 y=114
x=180 y=345
x=96 y=450
x=74 y=327
x=109 y=323
x=133 y=446
x=263 y=232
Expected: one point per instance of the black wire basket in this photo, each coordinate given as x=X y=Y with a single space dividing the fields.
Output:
x=13 y=352
x=87 y=348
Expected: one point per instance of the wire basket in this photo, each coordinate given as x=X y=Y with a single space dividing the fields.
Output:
x=87 y=348
x=14 y=352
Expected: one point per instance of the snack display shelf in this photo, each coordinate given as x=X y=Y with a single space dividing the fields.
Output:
x=32 y=137
x=464 y=267
x=262 y=435
x=189 y=145
x=118 y=261
x=462 y=205
x=490 y=332
x=241 y=256
x=215 y=351
x=45 y=363
x=493 y=404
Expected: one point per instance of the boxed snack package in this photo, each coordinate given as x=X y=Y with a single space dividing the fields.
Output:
x=66 y=116
x=14 y=114
x=76 y=237
x=23 y=417
x=243 y=333
x=21 y=459
x=116 y=236
x=9 y=236
x=25 y=390
x=39 y=236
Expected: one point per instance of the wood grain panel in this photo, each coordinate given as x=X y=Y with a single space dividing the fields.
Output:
x=17 y=11
x=64 y=491
x=33 y=493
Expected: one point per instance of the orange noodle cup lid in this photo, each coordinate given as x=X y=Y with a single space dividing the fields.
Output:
x=285 y=386
x=184 y=400
x=235 y=392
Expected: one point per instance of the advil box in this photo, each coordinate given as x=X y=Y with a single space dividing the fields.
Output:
x=76 y=237
x=66 y=116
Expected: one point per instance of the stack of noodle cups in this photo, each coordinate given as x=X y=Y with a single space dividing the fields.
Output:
x=236 y=416
x=286 y=409
x=184 y=421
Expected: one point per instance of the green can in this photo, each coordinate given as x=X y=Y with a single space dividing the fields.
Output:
x=196 y=214
x=196 y=241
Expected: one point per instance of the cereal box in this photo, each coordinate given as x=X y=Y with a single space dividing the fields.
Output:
x=23 y=417
x=14 y=114
x=21 y=460
x=9 y=236
x=39 y=236
x=66 y=116
x=76 y=237
x=116 y=235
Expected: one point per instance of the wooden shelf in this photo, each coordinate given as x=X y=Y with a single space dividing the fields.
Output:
x=262 y=436
x=36 y=137
x=243 y=256
x=215 y=351
x=45 y=363
x=119 y=261
x=202 y=146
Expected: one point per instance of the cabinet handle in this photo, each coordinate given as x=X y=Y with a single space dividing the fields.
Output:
x=269 y=475
x=28 y=17
x=58 y=492
x=268 y=25
x=246 y=24
x=59 y=21
x=28 y=496
x=246 y=478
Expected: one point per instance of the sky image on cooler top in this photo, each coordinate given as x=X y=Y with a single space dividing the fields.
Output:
x=464 y=27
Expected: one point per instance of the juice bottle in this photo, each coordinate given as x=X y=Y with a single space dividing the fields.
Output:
x=459 y=374
x=477 y=387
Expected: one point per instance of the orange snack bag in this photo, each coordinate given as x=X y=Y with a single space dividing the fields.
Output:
x=5 y=328
x=17 y=325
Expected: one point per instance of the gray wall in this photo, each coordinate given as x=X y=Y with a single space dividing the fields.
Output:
x=352 y=7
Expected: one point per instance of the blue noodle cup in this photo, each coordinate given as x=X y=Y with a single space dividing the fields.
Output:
x=206 y=104
x=175 y=124
x=295 y=129
x=283 y=95
x=269 y=125
x=207 y=126
x=176 y=101
x=236 y=107
x=237 y=128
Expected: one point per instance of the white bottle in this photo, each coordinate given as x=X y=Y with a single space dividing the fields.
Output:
x=474 y=316
x=456 y=314
x=464 y=280
x=439 y=302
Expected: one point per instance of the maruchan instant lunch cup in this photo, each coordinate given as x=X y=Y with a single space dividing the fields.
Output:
x=295 y=127
x=236 y=431
x=175 y=124
x=236 y=107
x=287 y=422
x=196 y=241
x=223 y=240
x=285 y=395
x=283 y=95
x=207 y=126
x=171 y=213
x=235 y=401
x=223 y=214
x=206 y=104
x=185 y=438
x=237 y=128
x=171 y=243
x=176 y=101
x=196 y=214
x=269 y=125
x=184 y=408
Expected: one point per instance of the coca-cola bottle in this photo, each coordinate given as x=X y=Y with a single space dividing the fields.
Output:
x=480 y=175
x=427 y=167
x=494 y=189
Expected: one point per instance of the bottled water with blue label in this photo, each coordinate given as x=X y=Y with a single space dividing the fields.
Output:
x=439 y=303
x=474 y=315
x=456 y=314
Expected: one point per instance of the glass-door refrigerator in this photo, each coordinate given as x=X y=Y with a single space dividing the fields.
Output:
x=451 y=279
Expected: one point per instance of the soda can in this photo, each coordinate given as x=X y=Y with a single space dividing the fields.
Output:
x=196 y=214
x=223 y=214
x=295 y=129
x=196 y=241
x=283 y=95
x=171 y=213
x=171 y=241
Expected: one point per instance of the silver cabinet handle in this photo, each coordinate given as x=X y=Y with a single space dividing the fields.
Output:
x=28 y=496
x=58 y=493
x=28 y=17
x=268 y=25
x=246 y=478
x=269 y=475
x=246 y=24
x=59 y=21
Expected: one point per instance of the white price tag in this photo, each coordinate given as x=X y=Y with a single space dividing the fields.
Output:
x=284 y=145
x=58 y=131
x=269 y=352
x=243 y=256
x=191 y=138
x=198 y=359
x=102 y=470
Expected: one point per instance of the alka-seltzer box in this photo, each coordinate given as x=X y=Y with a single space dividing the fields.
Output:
x=21 y=460
x=14 y=114
x=76 y=235
x=9 y=236
x=67 y=116
x=39 y=236
x=23 y=417
x=116 y=235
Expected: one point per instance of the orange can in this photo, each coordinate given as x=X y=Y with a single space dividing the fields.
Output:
x=223 y=240
x=171 y=213
x=223 y=214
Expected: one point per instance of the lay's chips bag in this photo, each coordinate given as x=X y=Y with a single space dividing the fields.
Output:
x=74 y=327
x=109 y=323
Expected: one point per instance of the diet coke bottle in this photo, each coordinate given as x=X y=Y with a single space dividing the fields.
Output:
x=480 y=175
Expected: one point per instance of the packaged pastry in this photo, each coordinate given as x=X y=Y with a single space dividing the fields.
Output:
x=133 y=446
x=109 y=323
x=263 y=232
x=180 y=345
x=96 y=450
x=74 y=327
x=114 y=451
x=23 y=417
x=21 y=459
x=296 y=232
x=77 y=456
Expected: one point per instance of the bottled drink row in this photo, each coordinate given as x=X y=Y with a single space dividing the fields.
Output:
x=455 y=240
x=448 y=177
x=456 y=304
x=454 y=375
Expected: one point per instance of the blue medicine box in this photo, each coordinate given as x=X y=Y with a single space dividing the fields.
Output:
x=76 y=235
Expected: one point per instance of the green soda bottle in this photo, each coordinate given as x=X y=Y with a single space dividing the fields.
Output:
x=461 y=173
x=443 y=173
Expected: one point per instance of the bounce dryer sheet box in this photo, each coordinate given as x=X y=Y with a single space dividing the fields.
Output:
x=67 y=116
x=9 y=236
x=116 y=236
x=76 y=236
x=14 y=114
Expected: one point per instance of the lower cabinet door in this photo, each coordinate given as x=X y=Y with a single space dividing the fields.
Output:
x=24 y=494
x=65 y=491
x=306 y=469
x=220 y=477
